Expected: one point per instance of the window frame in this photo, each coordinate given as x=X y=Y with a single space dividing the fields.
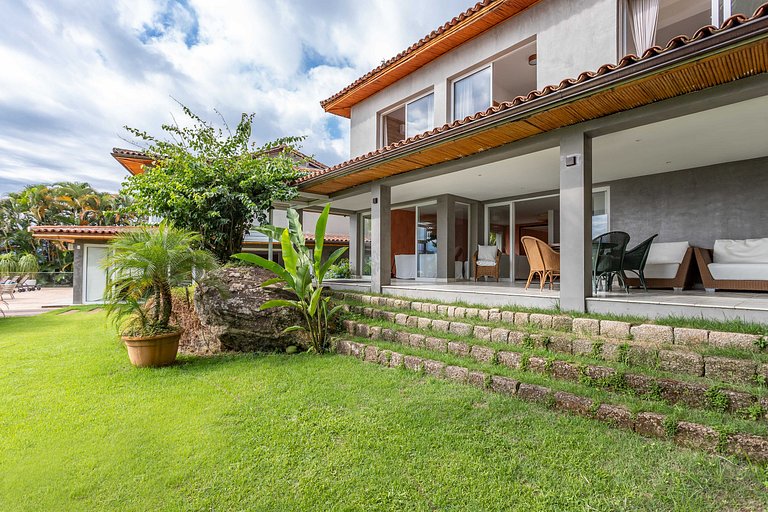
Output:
x=404 y=105
x=473 y=71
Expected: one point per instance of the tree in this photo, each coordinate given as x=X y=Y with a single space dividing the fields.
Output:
x=213 y=181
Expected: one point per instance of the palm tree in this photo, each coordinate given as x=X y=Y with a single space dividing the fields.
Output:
x=79 y=197
x=146 y=264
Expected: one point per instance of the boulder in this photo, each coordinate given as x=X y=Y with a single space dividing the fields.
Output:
x=233 y=317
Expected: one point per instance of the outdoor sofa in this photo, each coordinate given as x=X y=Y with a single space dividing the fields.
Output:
x=734 y=265
x=668 y=266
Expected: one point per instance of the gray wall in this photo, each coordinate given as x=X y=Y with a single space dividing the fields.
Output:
x=77 y=272
x=698 y=205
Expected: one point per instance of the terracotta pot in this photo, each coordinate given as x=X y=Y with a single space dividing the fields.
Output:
x=159 y=350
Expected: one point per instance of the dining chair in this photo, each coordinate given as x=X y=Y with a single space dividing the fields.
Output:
x=608 y=252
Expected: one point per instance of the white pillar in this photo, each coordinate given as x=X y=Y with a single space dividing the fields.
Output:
x=575 y=220
x=381 y=233
x=354 y=245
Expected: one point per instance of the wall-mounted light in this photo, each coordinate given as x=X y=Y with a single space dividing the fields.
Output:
x=532 y=60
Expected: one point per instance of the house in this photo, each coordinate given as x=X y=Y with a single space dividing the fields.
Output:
x=89 y=243
x=561 y=120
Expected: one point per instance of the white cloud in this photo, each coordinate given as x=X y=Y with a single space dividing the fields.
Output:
x=73 y=76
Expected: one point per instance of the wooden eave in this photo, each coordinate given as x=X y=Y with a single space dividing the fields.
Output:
x=134 y=165
x=722 y=57
x=454 y=33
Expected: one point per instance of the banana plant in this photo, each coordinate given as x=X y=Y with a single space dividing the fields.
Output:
x=302 y=273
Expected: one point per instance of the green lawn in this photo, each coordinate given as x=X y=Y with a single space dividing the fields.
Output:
x=82 y=430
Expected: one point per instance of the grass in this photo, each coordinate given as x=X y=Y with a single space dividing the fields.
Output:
x=82 y=430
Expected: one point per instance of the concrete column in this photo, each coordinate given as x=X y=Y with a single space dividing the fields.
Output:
x=354 y=244
x=477 y=225
x=575 y=220
x=446 y=237
x=78 y=274
x=381 y=234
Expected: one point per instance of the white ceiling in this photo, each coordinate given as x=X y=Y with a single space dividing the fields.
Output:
x=731 y=133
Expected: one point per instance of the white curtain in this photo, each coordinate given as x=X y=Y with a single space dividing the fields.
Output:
x=643 y=17
x=463 y=102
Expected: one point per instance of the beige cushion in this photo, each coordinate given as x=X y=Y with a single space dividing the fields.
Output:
x=739 y=271
x=661 y=270
x=486 y=263
x=486 y=253
x=666 y=252
x=750 y=251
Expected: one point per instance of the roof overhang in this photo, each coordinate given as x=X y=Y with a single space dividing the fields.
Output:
x=471 y=23
x=82 y=233
x=132 y=161
x=712 y=57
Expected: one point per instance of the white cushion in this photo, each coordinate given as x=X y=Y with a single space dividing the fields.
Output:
x=486 y=253
x=739 y=271
x=486 y=263
x=666 y=252
x=661 y=270
x=750 y=251
x=405 y=266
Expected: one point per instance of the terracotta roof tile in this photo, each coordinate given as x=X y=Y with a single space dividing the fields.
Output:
x=81 y=230
x=626 y=61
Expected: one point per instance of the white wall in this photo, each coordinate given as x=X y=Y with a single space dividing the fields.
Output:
x=572 y=36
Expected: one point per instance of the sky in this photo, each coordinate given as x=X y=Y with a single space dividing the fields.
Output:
x=75 y=72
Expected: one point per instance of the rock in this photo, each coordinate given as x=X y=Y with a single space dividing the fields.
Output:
x=652 y=333
x=541 y=320
x=614 y=329
x=533 y=392
x=457 y=373
x=461 y=329
x=575 y=404
x=686 y=336
x=234 y=319
x=689 y=363
x=588 y=326
x=504 y=385
x=733 y=340
x=730 y=370
x=482 y=354
x=458 y=348
x=698 y=437
x=616 y=416
x=650 y=424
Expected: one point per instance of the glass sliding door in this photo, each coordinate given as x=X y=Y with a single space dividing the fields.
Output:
x=498 y=228
x=426 y=241
x=365 y=257
x=461 y=241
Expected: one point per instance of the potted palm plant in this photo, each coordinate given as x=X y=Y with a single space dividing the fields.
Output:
x=143 y=267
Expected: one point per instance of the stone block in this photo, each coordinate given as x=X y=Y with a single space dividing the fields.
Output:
x=508 y=317
x=471 y=313
x=600 y=372
x=388 y=334
x=688 y=363
x=494 y=316
x=651 y=333
x=442 y=310
x=695 y=436
x=413 y=321
x=374 y=332
x=643 y=355
x=615 y=416
x=582 y=347
x=441 y=325
x=403 y=337
x=461 y=329
x=521 y=318
x=434 y=368
x=541 y=320
x=640 y=384
x=752 y=447
x=690 y=337
x=560 y=343
x=401 y=319
x=349 y=327
x=733 y=340
x=483 y=314
x=424 y=323
x=686 y=393
x=476 y=379
x=458 y=348
x=537 y=364
x=650 y=424
x=540 y=340
x=356 y=350
x=425 y=307
x=433 y=308
x=482 y=332
x=451 y=312
x=614 y=329
x=384 y=356
x=417 y=340
x=416 y=306
x=389 y=316
x=562 y=323
x=516 y=337
x=369 y=312
x=365 y=299
x=456 y=373
x=612 y=351
x=361 y=330
x=437 y=344
x=372 y=354
x=499 y=335
x=413 y=363
x=482 y=354
x=342 y=347
x=509 y=359
x=738 y=400
x=587 y=326
x=565 y=371
x=730 y=370
x=396 y=360
x=574 y=404
x=533 y=393
x=460 y=312
x=504 y=385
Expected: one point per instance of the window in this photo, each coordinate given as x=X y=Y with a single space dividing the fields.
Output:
x=408 y=120
x=472 y=94
x=599 y=212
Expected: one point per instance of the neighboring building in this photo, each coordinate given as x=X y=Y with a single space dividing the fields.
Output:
x=537 y=117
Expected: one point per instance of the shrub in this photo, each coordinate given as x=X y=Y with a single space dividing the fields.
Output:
x=339 y=270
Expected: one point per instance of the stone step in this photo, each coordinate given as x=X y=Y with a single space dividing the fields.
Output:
x=682 y=360
x=610 y=329
x=672 y=391
x=648 y=424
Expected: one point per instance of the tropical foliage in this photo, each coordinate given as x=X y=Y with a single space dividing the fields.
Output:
x=65 y=203
x=213 y=180
x=143 y=268
x=303 y=274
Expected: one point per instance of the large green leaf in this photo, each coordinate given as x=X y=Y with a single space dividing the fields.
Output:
x=294 y=226
x=290 y=256
x=316 y=295
x=334 y=311
x=331 y=260
x=322 y=222
x=294 y=328
x=270 y=282
x=272 y=232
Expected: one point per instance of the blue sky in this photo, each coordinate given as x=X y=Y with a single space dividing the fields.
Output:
x=75 y=72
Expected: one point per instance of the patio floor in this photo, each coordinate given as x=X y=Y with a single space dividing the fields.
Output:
x=747 y=306
x=36 y=302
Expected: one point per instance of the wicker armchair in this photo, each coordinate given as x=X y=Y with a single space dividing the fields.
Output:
x=487 y=270
x=543 y=260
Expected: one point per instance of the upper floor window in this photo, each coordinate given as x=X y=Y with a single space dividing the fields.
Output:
x=409 y=119
x=472 y=94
